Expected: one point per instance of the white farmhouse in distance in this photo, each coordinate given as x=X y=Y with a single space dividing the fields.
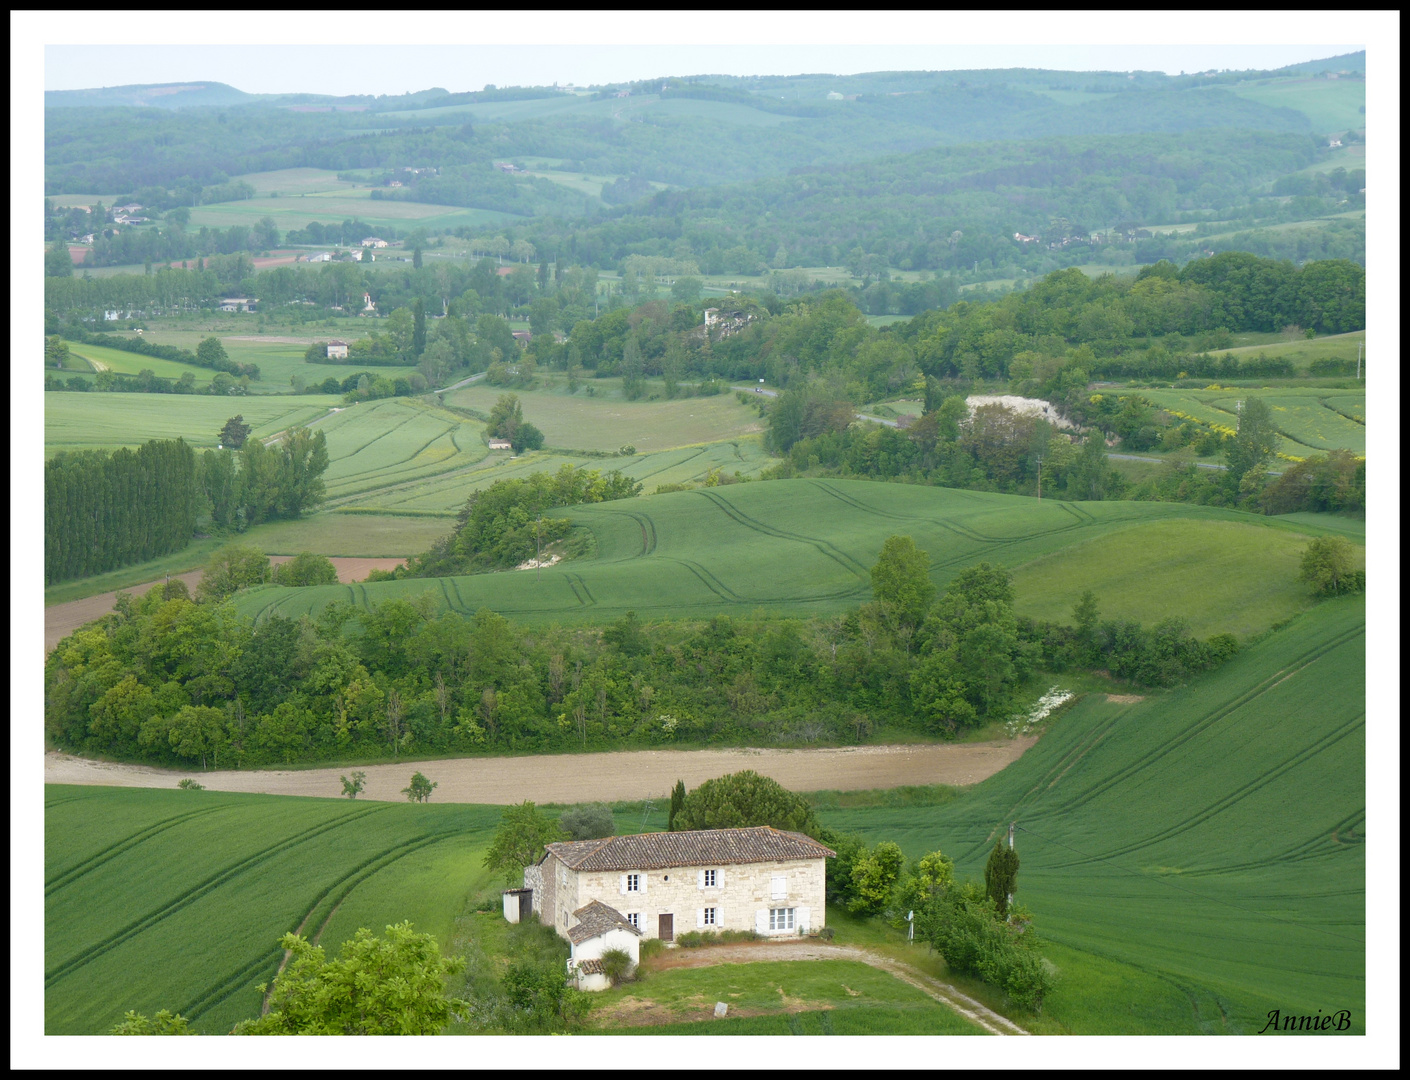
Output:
x=337 y=350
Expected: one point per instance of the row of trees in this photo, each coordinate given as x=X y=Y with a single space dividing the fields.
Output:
x=258 y=483
x=366 y=683
x=103 y=510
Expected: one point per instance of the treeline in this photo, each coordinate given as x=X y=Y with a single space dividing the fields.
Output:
x=105 y=510
x=165 y=680
x=123 y=247
x=164 y=291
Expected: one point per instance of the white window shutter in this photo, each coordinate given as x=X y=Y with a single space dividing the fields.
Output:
x=700 y=879
x=622 y=885
x=780 y=887
x=641 y=883
x=761 y=920
x=804 y=916
x=699 y=917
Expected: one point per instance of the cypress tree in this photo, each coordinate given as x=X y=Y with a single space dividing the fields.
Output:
x=677 y=801
x=1001 y=876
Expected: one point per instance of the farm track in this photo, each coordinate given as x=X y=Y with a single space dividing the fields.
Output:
x=569 y=778
x=191 y=895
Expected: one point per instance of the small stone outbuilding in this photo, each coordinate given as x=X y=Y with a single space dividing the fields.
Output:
x=598 y=928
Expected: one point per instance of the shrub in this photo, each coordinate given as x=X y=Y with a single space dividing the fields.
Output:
x=190 y=785
x=588 y=822
x=617 y=966
x=652 y=947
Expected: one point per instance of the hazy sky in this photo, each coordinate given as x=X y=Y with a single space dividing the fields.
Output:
x=394 y=56
x=397 y=69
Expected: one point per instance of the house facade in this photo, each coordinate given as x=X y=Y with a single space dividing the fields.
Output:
x=337 y=350
x=663 y=884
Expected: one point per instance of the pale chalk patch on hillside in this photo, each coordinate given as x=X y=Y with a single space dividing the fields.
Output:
x=1024 y=406
x=533 y=564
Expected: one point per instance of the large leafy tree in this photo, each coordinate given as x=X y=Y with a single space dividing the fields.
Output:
x=743 y=800
x=901 y=583
x=1255 y=441
x=393 y=985
x=235 y=431
x=523 y=832
x=232 y=568
x=1327 y=566
x=1001 y=877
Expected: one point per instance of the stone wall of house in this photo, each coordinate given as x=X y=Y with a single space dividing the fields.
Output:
x=533 y=879
x=559 y=887
x=743 y=893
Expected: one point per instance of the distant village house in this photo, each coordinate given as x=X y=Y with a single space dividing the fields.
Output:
x=501 y=444
x=337 y=350
x=238 y=303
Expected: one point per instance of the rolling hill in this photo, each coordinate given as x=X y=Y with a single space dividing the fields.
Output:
x=805 y=547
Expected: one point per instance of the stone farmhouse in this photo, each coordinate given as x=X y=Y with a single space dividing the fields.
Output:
x=337 y=350
x=603 y=894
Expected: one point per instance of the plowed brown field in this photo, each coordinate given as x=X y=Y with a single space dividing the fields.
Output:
x=570 y=778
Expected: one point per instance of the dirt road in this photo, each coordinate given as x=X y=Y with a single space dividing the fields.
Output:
x=632 y=1015
x=61 y=620
x=570 y=778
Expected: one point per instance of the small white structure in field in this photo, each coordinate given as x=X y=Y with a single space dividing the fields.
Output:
x=337 y=350
x=501 y=444
x=518 y=904
x=599 y=928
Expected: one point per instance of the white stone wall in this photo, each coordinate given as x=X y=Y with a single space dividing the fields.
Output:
x=743 y=892
x=616 y=938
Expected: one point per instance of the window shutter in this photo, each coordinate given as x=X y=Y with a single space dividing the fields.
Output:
x=804 y=916
x=761 y=920
x=699 y=917
x=780 y=887
x=641 y=883
x=700 y=879
x=622 y=885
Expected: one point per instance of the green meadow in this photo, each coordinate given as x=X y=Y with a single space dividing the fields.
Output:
x=1309 y=420
x=177 y=899
x=1196 y=859
x=598 y=417
x=1333 y=105
x=1300 y=351
x=790 y=547
x=99 y=421
x=297 y=210
x=1222 y=576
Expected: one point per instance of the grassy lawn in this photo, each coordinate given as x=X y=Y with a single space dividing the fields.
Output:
x=765 y=998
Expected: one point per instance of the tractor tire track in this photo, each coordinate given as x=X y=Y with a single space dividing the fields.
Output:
x=112 y=851
x=191 y=895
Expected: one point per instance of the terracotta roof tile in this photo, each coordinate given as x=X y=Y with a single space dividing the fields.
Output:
x=596 y=919
x=591 y=967
x=702 y=847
